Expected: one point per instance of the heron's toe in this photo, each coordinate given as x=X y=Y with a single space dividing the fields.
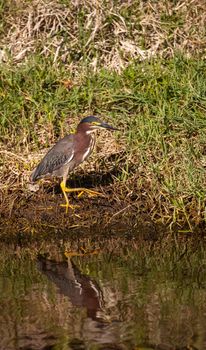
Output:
x=91 y=193
x=68 y=205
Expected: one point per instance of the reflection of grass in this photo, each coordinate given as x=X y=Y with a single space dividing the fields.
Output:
x=174 y=259
x=121 y=261
x=142 y=288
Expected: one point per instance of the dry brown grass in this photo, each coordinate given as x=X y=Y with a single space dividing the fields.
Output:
x=107 y=34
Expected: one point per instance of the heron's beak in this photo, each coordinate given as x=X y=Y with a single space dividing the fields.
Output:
x=107 y=126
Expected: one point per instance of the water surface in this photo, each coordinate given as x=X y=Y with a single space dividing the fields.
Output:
x=130 y=295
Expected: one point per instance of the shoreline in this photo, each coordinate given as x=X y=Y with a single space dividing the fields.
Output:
x=37 y=213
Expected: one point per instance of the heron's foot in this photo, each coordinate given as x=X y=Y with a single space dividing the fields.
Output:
x=82 y=190
x=68 y=205
x=91 y=193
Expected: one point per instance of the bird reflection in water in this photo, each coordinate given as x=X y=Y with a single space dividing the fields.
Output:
x=81 y=289
x=84 y=292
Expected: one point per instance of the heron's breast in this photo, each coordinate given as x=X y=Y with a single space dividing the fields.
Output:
x=84 y=147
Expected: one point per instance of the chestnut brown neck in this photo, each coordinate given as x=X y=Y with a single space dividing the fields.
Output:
x=83 y=128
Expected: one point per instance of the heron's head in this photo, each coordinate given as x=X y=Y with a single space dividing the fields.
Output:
x=91 y=124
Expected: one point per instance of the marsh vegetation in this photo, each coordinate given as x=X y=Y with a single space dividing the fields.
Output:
x=139 y=65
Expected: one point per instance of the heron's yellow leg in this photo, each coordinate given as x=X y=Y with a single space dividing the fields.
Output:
x=67 y=205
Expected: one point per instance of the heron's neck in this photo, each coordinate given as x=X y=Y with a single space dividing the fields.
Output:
x=91 y=131
x=90 y=135
x=84 y=128
x=85 y=131
x=86 y=135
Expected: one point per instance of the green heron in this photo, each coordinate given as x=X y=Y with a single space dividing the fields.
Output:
x=68 y=153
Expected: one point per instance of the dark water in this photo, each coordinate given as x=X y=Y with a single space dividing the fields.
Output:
x=130 y=295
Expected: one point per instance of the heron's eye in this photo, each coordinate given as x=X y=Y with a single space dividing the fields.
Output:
x=95 y=123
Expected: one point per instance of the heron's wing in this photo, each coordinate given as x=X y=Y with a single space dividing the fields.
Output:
x=59 y=155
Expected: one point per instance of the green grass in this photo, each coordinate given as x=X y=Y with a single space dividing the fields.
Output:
x=159 y=106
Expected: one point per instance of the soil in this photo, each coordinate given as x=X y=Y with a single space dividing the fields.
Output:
x=119 y=210
x=40 y=213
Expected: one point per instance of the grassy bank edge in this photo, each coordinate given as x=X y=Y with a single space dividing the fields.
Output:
x=157 y=161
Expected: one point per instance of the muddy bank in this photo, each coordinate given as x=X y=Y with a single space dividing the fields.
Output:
x=126 y=201
x=121 y=207
x=36 y=213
